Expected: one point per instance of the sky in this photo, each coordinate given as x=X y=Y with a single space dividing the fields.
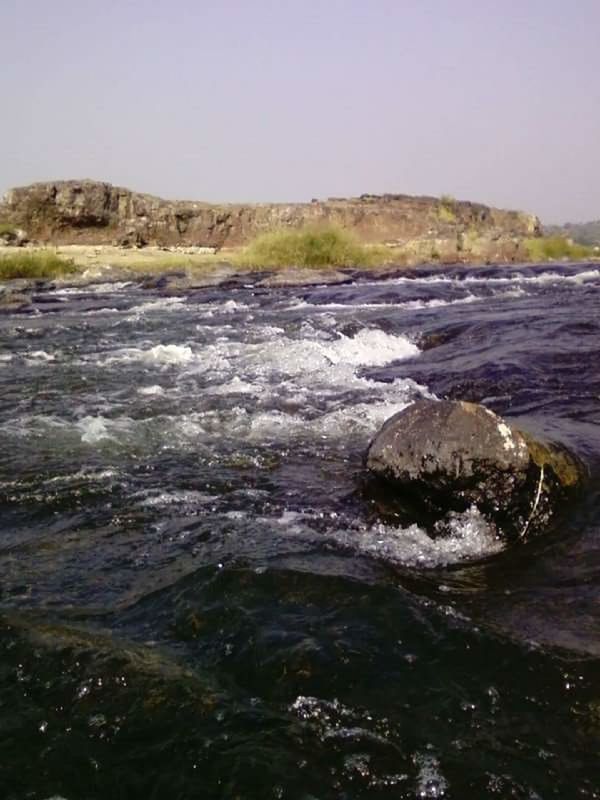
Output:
x=257 y=100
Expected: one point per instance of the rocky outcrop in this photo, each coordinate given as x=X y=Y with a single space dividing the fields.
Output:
x=89 y=212
x=434 y=458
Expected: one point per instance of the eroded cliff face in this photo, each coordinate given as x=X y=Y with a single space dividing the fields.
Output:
x=90 y=212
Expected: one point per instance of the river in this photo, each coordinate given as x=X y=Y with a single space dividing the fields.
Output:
x=197 y=601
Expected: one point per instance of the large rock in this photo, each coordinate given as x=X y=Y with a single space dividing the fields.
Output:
x=434 y=458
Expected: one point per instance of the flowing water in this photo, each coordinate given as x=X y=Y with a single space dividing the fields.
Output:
x=198 y=602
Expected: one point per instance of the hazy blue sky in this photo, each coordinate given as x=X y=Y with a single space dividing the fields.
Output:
x=257 y=100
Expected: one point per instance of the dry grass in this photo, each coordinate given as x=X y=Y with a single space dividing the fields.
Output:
x=145 y=260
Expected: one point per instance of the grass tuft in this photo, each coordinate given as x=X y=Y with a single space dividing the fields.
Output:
x=38 y=264
x=313 y=247
x=556 y=248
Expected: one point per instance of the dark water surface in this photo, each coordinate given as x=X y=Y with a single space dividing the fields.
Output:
x=196 y=602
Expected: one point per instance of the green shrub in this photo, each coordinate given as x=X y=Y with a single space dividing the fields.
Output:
x=35 y=264
x=325 y=246
x=448 y=200
x=446 y=214
x=556 y=248
x=447 y=209
x=7 y=229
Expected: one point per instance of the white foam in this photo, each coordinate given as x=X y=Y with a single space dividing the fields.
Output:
x=169 y=354
x=93 y=288
x=363 y=417
x=316 y=363
x=518 y=291
x=431 y=783
x=418 y=305
x=331 y=720
x=284 y=388
x=160 y=355
x=163 y=304
x=151 y=390
x=465 y=537
x=302 y=386
x=96 y=312
x=231 y=306
x=415 y=305
x=179 y=498
x=87 y=430
x=236 y=386
x=511 y=277
x=369 y=347
x=468 y=536
x=587 y=275
x=74 y=477
x=93 y=429
x=553 y=277
x=330 y=360
x=314 y=709
x=38 y=356
x=408 y=305
x=296 y=418
x=226 y=307
x=84 y=474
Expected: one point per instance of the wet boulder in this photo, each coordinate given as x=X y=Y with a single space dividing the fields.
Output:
x=436 y=458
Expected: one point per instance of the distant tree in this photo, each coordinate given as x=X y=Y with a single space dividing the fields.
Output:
x=587 y=233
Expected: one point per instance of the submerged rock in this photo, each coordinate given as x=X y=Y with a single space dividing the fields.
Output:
x=176 y=279
x=434 y=458
x=61 y=658
x=78 y=697
x=13 y=301
x=305 y=276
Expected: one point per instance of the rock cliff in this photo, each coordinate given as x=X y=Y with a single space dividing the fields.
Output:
x=90 y=212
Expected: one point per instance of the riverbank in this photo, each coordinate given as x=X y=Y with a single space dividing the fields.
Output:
x=156 y=268
x=198 y=266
